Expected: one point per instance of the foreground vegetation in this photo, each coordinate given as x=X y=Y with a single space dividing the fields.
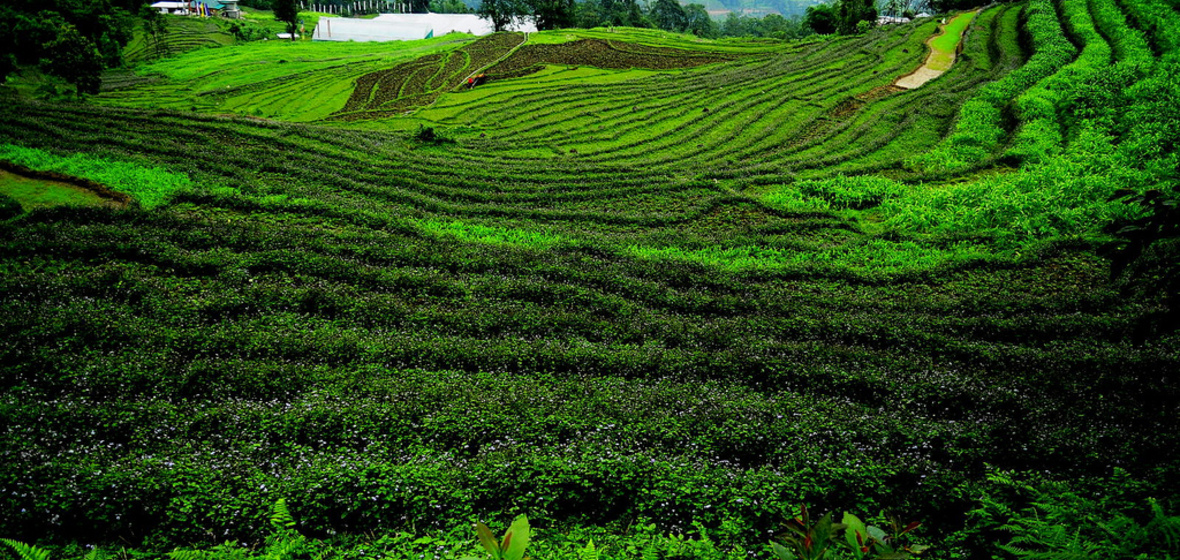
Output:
x=654 y=308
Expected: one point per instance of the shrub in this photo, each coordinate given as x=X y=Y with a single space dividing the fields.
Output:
x=9 y=207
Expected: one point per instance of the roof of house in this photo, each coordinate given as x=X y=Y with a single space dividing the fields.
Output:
x=215 y=4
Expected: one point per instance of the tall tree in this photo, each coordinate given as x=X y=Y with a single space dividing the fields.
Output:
x=589 y=14
x=699 y=22
x=821 y=18
x=669 y=15
x=552 y=14
x=500 y=13
x=449 y=7
x=287 y=11
x=154 y=29
x=75 y=59
x=849 y=13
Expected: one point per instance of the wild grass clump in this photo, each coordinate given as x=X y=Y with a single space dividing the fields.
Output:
x=150 y=186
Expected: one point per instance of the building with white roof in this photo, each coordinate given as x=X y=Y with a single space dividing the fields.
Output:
x=403 y=27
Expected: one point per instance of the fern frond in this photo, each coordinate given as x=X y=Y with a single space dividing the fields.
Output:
x=188 y=555
x=280 y=516
x=589 y=552
x=95 y=554
x=1167 y=527
x=25 y=551
x=285 y=549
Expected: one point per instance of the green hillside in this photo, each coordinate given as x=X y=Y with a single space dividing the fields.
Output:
x=647 y=289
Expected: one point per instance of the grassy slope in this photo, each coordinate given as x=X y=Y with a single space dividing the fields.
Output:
x=32 y=193
x=295 y=81
x=602 y=305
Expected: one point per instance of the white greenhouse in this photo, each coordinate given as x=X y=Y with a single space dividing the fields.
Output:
x=403 y=27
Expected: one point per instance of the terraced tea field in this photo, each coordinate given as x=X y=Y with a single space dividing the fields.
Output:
x=643 y=286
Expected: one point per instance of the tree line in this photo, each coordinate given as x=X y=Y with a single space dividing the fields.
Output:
x=71 y=39
x=840 y=16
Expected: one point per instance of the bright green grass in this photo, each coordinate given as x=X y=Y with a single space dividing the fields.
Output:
x=259 y=61
x=866 y=257
x=658 y=38
x=35 y=193
x=151 y=186
x=944 y=45
x=600 y=113
x=286 y=80
x=452 y=107
x=475 y=233
x=267 y=18
x=183 y=34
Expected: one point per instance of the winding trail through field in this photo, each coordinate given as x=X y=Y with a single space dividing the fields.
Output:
x=943 y=49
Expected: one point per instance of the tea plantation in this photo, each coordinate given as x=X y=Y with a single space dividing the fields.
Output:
x=654 y=292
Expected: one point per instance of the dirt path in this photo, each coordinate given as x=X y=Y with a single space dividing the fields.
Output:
x=936 y=59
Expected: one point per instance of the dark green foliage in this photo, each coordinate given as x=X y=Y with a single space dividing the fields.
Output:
x=449 y=7
x=26 y=552
x=770 y=26
x=75 y=39
x=155 y=30
x=552 y=14
x=410 y=338
x=821 y=18
x=1112 y=517
x=74 y=58
x=669 y=15
x=249 y=31
x=287 y=11
x=622 y=12
x=1147 y=253
x=699 y=22
x=9 y=208
x=850 y=13
x=502 y=14
x=427 y=135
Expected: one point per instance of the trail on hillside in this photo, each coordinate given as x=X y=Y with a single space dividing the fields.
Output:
x=937 y=62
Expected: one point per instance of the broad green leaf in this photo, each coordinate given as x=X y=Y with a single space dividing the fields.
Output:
x=517 y=539
x=780 y=552
x=822 y=533
x=856 y=534
x=877 y=533
x=488 y=540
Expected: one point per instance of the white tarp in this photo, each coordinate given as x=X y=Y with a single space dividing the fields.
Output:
x=403 y=27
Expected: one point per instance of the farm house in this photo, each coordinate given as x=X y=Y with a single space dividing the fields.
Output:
x=191 y=7
x=174 y=8
x=402 y=27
